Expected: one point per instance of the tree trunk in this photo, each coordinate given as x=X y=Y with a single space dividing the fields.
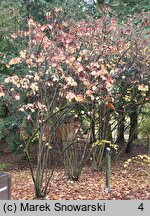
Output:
x=135 y=124
x=104 y=133
x=121 y=129
x=101 y=123
x=92 y=125
x=133 y=130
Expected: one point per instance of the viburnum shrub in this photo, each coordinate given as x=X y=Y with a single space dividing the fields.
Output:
x=69 y=65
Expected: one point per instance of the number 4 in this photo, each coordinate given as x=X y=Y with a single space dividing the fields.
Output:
x=141 y=207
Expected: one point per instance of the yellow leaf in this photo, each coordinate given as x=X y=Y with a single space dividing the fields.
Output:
x=143 y=87
x=29 y=61
x=127 y=98
x=80 y=98
x=14 y=61
x=2 y=94
x=7 y=65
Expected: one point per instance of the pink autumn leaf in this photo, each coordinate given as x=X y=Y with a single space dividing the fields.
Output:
x=89 y=92
x=70 y=96
x=17 y=97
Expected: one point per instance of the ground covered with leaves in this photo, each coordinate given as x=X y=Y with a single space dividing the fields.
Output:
x=133 y=183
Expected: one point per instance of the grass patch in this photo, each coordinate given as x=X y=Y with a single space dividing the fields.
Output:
x=4 y=166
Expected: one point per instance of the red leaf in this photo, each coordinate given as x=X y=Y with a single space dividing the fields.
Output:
x=111 y=106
